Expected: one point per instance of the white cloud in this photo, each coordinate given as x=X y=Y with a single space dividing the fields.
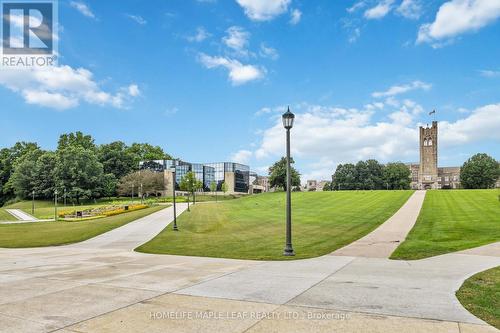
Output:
x=133 y=90
x=411 y=9
x=380 y=10
x=137 y=19
x=63 y=87
x=200 y=36
x=326 y=136
x=263 y=10
x=295 y=16
x=489 y=73
x=358 y=5
x=82 y=8
x=51 y=100
x=237 y=39
x=238 y=72
x=268 y=52
x=241 y=156
x=396 y=90
x=481 y=124
x=456 y=17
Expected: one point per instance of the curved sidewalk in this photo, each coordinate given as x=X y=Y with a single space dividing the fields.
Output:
x=381 y=242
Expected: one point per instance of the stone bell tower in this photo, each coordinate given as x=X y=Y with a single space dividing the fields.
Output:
x=428 y=172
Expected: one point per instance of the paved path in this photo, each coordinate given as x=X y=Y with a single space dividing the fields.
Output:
x=100 y=285
x=386 y=238
x=21 y=215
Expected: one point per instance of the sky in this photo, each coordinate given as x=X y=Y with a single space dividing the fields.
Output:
x=208 y=80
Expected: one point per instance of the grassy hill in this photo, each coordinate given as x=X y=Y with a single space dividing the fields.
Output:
x=254 y=227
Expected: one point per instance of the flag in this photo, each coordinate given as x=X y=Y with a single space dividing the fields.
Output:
x=432 y=112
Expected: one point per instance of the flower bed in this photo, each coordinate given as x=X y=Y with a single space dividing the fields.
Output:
x=101 y=211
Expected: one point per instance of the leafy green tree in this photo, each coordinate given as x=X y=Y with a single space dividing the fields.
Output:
x=45 y=171
x=116 y=159
x=224 y=187
x=213 y=189
x=277 y=174
x=79 y=171
x=327 y=186
x=77 y=139
x=363 y=177
x=152 y=183
x=344 y=177
x=8 y=159
x=397 y=176
x=479 y=171
x=190 y=184
x=23 y=179
x=146 y=152
x=376 y=172
x=109 y=184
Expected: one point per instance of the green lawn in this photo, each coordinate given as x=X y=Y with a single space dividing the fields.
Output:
x=453 y=220
x=481 y=296
x=253 y=227
x=4 y=216
x=59 y=233
x=45 y=209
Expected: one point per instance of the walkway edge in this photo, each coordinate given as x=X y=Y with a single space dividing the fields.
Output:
x=381 y=242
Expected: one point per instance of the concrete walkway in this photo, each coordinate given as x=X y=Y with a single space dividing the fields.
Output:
x=386 y=238
x=100 y=285
x=21 y=215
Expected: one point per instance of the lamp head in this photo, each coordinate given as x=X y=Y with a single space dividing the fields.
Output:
x=288 y=119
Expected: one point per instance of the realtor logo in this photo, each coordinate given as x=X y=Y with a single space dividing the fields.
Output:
x=28 y=33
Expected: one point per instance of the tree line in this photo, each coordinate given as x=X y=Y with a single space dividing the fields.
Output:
x=371 y=175
x=78 y=167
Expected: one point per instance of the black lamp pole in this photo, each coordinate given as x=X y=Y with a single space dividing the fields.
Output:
x=173 y=191
x=55 y=206
x=288 y=119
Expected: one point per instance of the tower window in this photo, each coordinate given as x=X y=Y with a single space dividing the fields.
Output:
x=425 y=142
x=429 y=142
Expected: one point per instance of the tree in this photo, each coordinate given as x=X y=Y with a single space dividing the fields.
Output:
x=79 y=171
x=344 y=177
x=376 y=172
x=224 y=187
x=152 y=183
x=327 y=186
x=109 y=184
x=213 y=188
x=23 y=179
x=397 y=176
x=45 y=170
x=190 y=184
x=116 y=159
x=363 y=177
x=8 y=159
x=479 y=171
x=77 y=139
x=146 y=152
x=277 y=174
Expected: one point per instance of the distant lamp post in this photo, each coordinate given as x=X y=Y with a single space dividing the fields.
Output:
x=65 y=197
x=55 y=206
x=33 y=202
x=173 y=194
x=288 y=119
x=142 y=195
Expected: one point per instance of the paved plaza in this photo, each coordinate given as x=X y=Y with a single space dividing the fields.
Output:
x=102 y=285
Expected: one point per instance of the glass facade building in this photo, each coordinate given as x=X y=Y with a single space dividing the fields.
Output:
x=204 y=172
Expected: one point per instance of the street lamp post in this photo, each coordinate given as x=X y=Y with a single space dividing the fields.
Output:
x=288 y=119
x=55 y=206
x=142 y=195
x=33 y=202
x=173 y=193
x=65 y=197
